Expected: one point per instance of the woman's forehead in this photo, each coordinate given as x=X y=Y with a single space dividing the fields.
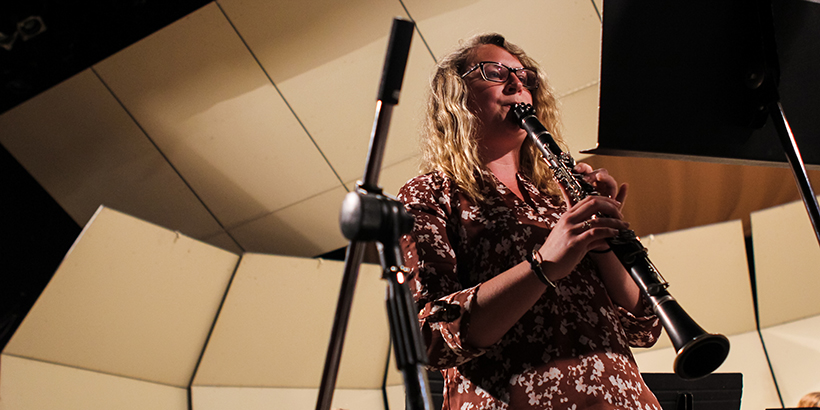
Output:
x=491 y=52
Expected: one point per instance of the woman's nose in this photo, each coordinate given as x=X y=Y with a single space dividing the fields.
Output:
x=514 y=84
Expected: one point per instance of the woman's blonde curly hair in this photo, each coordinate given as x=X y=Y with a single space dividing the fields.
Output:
x=449 y=142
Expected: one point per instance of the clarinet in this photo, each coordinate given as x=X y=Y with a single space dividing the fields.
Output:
x=698 y=353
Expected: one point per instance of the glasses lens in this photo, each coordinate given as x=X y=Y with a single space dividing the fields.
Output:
x=494 y=72
x=528 y=78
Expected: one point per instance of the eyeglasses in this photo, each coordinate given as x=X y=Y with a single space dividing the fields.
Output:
x=499 y=73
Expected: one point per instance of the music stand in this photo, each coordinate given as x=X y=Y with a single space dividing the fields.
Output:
x=700 y=80
x=718 y=391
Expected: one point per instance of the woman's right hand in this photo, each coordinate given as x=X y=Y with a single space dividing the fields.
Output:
x=578 y=231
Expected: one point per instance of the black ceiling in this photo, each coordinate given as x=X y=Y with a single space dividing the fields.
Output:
x=46 y=42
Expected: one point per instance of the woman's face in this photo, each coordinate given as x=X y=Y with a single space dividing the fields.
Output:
x=491 y=101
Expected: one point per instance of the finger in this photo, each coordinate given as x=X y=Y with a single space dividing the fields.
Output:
x=594 y=205
x=567 y=199
x=604 y=183
x=596 y=237
x=592 y=208
x=603 y=222
x=606 y=225
x=621 y=197
x=600 y=180
x=583 y=168
x=590 y=175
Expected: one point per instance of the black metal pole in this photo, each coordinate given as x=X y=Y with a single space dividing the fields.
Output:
x=353 y=259
x=797 y=165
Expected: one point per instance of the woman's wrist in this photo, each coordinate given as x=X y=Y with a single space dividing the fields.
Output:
x=536 y=263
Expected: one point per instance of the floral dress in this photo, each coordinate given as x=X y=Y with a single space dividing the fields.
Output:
x=571 y=350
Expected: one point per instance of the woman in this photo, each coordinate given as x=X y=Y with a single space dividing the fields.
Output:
x=510 y=327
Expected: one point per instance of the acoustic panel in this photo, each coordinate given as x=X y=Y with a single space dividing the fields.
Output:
x=393 y=177
x=202 y=97
x=260 y=398
x=581 y=123
x=273 y=333
x=130 y=299
x=90 y=152
x=223 y=240
x=396 y=396
x=395 y=391
x=794 y=352
x=564 y=38
x=326 y=58
x=308 y=228
x=34 y=384
x=786 y=255
x=746 y=356
x=708 y=275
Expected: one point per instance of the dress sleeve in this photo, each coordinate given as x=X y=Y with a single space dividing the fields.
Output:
x=444 y=304
x=641 y=331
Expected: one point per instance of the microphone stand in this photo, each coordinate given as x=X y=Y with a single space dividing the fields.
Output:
x=368 y=215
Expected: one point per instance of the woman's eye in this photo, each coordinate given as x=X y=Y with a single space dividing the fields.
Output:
x=493 y=73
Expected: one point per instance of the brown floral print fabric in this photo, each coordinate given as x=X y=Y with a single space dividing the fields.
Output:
x=570 y=351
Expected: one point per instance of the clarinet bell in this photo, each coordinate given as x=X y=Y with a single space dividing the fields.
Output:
x=698 y=353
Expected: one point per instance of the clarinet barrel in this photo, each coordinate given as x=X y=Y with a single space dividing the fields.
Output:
x=698 y=353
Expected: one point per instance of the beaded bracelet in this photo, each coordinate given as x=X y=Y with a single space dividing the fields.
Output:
x=534 y=259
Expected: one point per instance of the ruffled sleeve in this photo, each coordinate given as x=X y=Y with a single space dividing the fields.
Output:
x=641 y=331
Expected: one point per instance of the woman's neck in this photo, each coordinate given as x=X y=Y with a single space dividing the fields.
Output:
x=500 y=151
x=505 y=165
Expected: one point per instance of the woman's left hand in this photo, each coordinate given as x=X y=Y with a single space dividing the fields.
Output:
x=603 y=183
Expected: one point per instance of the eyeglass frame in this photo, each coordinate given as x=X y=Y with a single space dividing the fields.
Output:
x=510 y=69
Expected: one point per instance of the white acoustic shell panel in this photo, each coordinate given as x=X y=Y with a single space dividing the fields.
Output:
x=34 y=384
x=269 y=344
x=708 y=275
x=747 y=357
x=787 y=270
x=794 y=352
x=787 y=264
x=131 y=306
